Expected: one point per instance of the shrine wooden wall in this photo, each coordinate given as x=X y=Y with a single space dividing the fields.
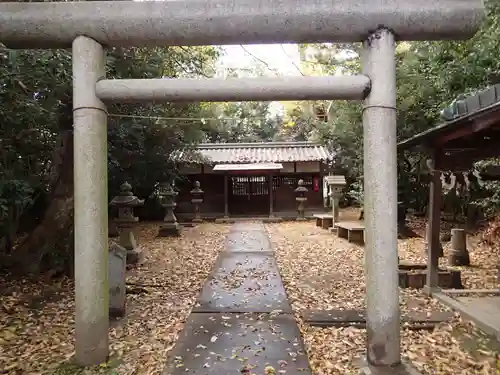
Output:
x=213 y=198
x=248 y=192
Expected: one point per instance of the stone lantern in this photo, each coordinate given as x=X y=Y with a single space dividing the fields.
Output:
x=300 y=197
x=170 y=226
x=197 y=200
x=336 y=184
x=126 y=201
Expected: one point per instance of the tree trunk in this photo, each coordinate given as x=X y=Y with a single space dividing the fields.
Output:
x=50 y=245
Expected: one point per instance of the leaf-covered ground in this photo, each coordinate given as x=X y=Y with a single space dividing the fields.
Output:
x=36 y=319
x=321 y=271
x=483 y=249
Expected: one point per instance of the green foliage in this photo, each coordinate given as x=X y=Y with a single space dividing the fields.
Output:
x=32 y=104
x=488 y=195
x=301 y=125
x=36 y=107
x=430 y=75
x=140 y=145
x=241 y=122
x=15 y=195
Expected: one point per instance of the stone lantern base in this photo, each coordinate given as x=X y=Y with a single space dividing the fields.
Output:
x=113 y=230
x=197 y=215
x=403 y=368
x=128 y=242
x=301 y=209
x=169 y=230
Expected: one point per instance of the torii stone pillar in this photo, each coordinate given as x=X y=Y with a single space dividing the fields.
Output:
x=380 y=202
x=91 y=204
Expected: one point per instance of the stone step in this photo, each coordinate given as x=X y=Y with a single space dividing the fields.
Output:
x=242 y=321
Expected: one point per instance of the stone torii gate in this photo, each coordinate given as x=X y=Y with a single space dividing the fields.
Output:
x=91 y=26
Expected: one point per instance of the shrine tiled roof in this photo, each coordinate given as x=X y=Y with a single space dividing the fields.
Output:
x=266 y=152
x=464 y=112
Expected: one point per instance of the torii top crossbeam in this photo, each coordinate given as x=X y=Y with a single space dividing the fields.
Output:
x=201 y=22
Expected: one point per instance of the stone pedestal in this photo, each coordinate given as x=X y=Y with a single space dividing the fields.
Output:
x=126 y=222
x=117 y=260
x=113 y=231
x=301 y=209
x=458 y=256
x=129 y=242
x=300 y=197
x=197 y=200
x=127 y=238
x=169 y=230
x=197 y=214
x=170 y=227
x=400 y=369
x=335 y=184
x=335 y=208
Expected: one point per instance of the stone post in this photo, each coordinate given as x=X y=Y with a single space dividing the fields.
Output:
x=117 y=264
x=301 y=198
x=428 y=240
x=126 y=201
x=335 y=205
x=170 y=226
x=459 y=256
x=197 y=200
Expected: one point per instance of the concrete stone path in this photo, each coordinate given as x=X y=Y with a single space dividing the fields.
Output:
x=242 y=321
